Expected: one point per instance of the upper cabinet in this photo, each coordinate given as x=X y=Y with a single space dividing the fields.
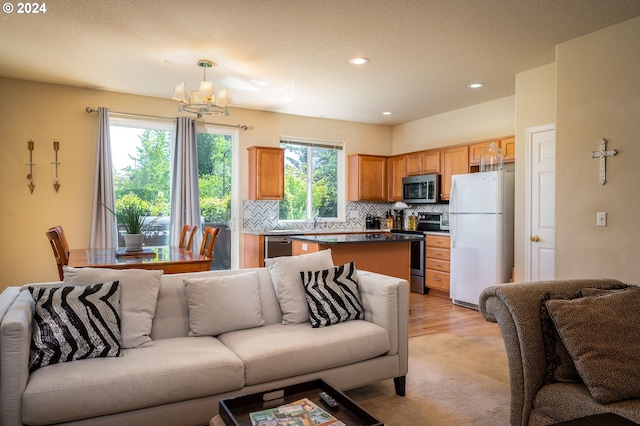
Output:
x=431 y=161
x=455 y=161
x=396 y=173
x=508 y=146
x=367 y=178
x=422 y=162
x=266 y=173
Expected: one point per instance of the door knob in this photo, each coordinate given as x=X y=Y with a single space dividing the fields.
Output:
x=535 y=238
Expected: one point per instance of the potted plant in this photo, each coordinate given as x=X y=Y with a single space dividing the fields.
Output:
x=131 y=213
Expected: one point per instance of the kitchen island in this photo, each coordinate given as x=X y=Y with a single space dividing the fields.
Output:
x=385 y=253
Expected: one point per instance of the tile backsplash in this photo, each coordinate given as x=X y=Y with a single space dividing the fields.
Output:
x=258 y=216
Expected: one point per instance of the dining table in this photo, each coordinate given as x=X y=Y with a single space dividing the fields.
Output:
x=170 y=259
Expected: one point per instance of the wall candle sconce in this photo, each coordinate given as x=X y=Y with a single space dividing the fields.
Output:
x=30 y=164
x=56 y=163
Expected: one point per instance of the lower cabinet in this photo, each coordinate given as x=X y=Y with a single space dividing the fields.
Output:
x=437 y=263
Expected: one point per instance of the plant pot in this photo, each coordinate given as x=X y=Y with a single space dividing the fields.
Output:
x=133 y=242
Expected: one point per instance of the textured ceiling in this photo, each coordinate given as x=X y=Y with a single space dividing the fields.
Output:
x=422 y=53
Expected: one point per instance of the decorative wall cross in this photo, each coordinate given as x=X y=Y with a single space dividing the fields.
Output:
x=602 y=154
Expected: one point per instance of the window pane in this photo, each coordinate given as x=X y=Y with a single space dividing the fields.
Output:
x=325 y=183
x=214 y=176
x=141 y=176
x=311 y=187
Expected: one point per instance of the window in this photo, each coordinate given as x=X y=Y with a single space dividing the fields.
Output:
x=141 y=157
x=313 y=180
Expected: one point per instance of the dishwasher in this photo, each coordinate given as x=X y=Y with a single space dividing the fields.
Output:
x=277 y=246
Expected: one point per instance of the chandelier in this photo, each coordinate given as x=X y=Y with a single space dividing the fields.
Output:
x=202 y=101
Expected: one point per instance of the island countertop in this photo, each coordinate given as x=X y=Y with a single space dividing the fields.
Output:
x=356 y=238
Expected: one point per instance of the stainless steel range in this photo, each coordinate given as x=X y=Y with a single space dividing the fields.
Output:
x=427 y=222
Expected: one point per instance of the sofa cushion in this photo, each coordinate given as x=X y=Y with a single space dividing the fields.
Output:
x=225 y=303
x=75 y=322
x=172 y=370
x=333 y=295
x=137 y=302
x=285 y=274
x=280 y=351
x=603 y=339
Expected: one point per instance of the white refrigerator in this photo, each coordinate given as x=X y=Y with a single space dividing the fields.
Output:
x=481 y=231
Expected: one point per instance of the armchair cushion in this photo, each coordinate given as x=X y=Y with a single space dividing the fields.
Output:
x=603 y=339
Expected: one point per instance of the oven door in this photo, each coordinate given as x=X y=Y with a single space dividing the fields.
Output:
x=417 y=283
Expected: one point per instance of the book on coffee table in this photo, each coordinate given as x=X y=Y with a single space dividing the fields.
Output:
x=302 y=412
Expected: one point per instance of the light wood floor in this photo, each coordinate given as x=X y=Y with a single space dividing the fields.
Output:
x=434 y=314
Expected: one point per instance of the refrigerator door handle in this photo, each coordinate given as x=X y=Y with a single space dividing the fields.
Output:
x=452 y=213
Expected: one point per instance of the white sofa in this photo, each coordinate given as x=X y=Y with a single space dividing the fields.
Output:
x=180 y=379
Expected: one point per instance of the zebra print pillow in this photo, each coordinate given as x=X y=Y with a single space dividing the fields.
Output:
x=333 y=295
x=75 y=322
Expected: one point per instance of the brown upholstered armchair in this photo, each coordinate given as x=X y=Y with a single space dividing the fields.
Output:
x=535 y=399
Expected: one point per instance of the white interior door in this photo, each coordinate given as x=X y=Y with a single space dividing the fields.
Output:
x=540 y=208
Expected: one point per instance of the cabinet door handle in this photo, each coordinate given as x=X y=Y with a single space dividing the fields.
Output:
x=436 y=279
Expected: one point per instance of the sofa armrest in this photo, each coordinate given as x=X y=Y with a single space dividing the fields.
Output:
x=516 y=309
x=386 y=303
x=15 y=345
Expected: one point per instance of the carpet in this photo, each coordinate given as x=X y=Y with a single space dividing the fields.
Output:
x=452 y=380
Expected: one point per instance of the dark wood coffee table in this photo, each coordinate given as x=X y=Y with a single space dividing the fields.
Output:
x=235 y=411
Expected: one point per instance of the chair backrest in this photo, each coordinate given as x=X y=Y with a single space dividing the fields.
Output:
x=187 y=230
x=60 y=247
x=208 y=240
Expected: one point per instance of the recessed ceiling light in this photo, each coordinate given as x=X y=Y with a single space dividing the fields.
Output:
x=387 y=113
x=475 y=85
x=358 y=61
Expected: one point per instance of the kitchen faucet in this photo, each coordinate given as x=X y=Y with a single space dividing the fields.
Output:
x=315 y=221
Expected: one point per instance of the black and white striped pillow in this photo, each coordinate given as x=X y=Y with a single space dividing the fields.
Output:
x=75 y=322
x=333 y=295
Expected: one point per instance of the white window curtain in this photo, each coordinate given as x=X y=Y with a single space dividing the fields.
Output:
x=185 y=195
x=103 y=227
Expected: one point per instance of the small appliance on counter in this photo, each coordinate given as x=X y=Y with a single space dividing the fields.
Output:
x=372 y=222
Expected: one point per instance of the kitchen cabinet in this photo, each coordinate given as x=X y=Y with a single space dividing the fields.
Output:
x=422 y=162
x=455 y=161
x=367 y=178
x=413 y=164
x=437 y=266
x=431 y=161
x=508 y=146
x=396 y=173
x=475 y=151
x=266 y=173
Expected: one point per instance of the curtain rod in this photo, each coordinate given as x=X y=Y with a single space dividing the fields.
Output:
x=237 y=126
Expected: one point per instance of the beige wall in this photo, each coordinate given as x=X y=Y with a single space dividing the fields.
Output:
x=46 y=112
x=535 y=106
x=482 y=121
x=598 y=96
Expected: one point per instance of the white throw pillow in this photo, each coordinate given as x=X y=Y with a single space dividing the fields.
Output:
x=225 y=303
x=287 y=282
x=138 y=299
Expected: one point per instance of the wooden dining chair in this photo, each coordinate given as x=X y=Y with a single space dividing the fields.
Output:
x=60 y=247
x=208 y=240
x=187 y=231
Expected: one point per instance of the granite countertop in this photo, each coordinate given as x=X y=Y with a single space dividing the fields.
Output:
x=356 y=238
x=313 y=231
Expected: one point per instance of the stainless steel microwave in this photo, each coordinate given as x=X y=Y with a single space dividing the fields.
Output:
x=422 y=189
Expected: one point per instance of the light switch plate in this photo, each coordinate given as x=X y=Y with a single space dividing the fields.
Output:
x=601 y=219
